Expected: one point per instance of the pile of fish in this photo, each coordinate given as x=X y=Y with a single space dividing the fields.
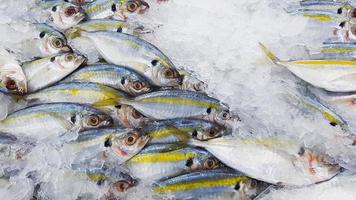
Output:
x=132 y=118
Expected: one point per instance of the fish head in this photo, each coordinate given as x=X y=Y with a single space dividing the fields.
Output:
x=127 y=145
x=66 y=15
x=91 y=120
x=68 y=61
x=52 y=44
x=121 y=185
x=203 y=161
x=249 y=188
x=209 y=130
x=193 y=84
x=130 y=7
x=316 y=166
x=130 y=117
x=12 y=79
x=165 y=75
x=136 y=85
x=221 y=116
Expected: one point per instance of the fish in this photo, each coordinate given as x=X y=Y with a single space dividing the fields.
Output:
x=211 y=184
x=190 y=82
x=127 y=116
x=85 y=93
x=101 y=9
x=65 y=15
x=53 y=68
x=106 y=25
x=181 y=130
x=331 y=75
x=340 y=187
x=159 y=161
x=170 y=104
x=51 y=40
x=119 y=77
x=133 y=52
x=12 y=77
x=273 y=160
x=124 y=142
x=60 y=117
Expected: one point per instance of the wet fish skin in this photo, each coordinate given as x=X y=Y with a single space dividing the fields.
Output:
x=119 y=77
x=52 y=41
x=274 y=160
x=128 y=117
x=166 y=160
x=61 y=117
x=212 y=184
x=85 y=93
x=131 y=51
x=65 y=15
x=182 y=130
x=54 y=68
x=117 y=139
x=170 y=104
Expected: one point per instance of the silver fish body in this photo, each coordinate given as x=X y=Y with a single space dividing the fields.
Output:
x=61 y=117
x=84 y=93
x=115 y=76
x=165 y=160
x=170 y=104
x=54 y=68
x=131 y=51
x=182 y=130
x=214 y=184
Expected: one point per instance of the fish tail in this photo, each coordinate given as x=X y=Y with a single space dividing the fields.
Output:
x=270 y=54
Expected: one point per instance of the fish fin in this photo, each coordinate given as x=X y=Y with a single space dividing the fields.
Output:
x=73 y=33
x=269 y=54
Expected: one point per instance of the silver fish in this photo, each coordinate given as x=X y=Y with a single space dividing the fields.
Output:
x=53 y=68
x=170 y=104
x=131 y=51
x=60 y=117
x=166 y=160
x=115 y=76
x=65 y=15
x=127 y=116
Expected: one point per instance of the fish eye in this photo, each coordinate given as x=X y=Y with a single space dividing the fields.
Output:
x=189 y=162
x=121 y=186
x=137 y=85
x=136 y=114
x=130 y=140
x=119 y=30
x=42 y=34
x=212 y=133
x=53 y=59
x=237 y=186
x=209 y=163
x=225 y=115
x=170 y=73
x=93 y=120
x=113 y=7
x=58 y=43
x=132 y=6
x=353 y=30
x=69 y=57
x=10 y=84
x=69 y=11
x=54 y=8
x=339 y=11
x=154 y=62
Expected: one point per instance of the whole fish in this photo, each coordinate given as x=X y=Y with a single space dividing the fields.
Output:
x=101 y=9
x=105 y=25
x=125 y=143
x=51 y=40
x=59 y=117
x=170 y=104
x=49 y=70
x=115 y=76
x=183 y=129
x=12 y=77
x=332 y=75
x=65 y=15
x=84 y=93
x=274 y=160
x=165 y=160
x=131 y=51
x=128 y=117
x=212 y=184
x=340 y=187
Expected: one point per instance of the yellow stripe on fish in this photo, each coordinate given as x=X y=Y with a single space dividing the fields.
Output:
x=187 y=102
x=92 y=142
x=161 y=157
x=25 y=117
x=103 y=26
x=97 y=177
x=343 y=63
x=338 y=50
x=169 y=131
x=98 y=7
x=324 y=18
x=229 y=181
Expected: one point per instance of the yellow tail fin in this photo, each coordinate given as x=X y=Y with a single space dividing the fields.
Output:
x=269 y=54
